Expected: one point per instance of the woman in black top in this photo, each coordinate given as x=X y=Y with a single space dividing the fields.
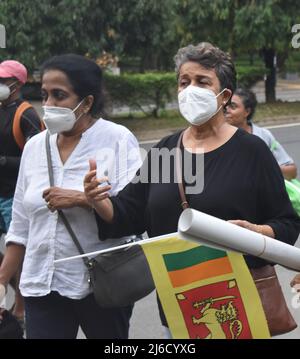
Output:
x=241 y=180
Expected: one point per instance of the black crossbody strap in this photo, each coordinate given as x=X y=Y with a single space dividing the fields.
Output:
x=86 y=261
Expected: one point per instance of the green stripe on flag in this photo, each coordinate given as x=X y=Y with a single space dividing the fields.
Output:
x=181 y=260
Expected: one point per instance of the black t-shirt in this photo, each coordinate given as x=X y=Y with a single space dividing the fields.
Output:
x=30 y=126
x=242 y=180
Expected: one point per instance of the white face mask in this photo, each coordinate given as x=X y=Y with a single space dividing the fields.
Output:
x=60 y=119
x=5 y=91
x=198 y=105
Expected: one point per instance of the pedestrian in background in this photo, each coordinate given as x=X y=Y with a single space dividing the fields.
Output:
x=18 y=123
x=240 y=113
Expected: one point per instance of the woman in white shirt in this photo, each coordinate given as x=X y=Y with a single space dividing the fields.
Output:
x=58 y=297
x=240 y=112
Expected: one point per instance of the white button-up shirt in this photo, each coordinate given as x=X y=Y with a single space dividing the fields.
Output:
x=42 y=233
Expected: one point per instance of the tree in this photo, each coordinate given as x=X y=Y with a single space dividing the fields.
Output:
x=265 y=26
x=148 y=32
x=243 y=26
x=136 y=28
x=37 y=32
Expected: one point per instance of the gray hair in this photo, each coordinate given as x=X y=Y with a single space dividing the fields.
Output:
x=210 y=57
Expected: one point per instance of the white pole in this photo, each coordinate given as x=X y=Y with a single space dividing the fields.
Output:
x=107 y=250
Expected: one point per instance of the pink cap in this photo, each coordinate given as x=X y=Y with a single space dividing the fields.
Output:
x=11 y=68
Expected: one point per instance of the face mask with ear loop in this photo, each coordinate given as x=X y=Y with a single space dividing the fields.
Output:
x=5 y=91
x=60 y=119
x=198 y=105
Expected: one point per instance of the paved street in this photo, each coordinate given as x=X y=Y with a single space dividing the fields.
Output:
x=286 y=90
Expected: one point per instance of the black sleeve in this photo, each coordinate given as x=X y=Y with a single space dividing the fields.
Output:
x=129 y=209
x=273 y=200
x=12 y=163
x=30 y=123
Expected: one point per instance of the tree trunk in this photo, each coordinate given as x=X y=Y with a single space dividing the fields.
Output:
x=270 y=82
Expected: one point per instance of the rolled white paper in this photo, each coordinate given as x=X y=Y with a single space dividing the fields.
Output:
x=212 y=231
x=188 y=237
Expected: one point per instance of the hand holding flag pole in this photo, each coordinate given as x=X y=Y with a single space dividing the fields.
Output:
x=213 y=232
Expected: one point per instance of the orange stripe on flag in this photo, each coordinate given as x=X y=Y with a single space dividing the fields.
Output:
x=200 y=271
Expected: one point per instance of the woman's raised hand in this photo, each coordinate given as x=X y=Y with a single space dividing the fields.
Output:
x=97 y=195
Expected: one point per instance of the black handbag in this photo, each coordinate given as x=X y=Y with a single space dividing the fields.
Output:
x=118 y=278
x=121 y=277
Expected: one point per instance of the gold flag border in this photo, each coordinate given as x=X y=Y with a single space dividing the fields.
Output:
x=250 y=297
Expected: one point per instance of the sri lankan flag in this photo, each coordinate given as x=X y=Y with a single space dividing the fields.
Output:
x=205 y=293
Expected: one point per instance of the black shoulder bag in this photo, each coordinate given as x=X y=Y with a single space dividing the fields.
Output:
x=118 y=278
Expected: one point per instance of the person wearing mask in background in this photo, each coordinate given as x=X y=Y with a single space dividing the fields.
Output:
x=240 y=112
x=58 y=297
x=18 y=123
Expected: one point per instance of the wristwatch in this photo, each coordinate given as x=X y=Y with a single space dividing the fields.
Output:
x=3 y=160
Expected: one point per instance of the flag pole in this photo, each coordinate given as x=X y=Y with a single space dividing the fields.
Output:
x=112 y=249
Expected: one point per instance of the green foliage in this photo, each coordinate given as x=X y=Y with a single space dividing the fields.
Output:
x=241 y=26
x=150 y=92
x=292 y=64
x=147 y=92
x=238 y=25
x=37 y=30
x=247 y=76
x=270 y=22
x=148 y=31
